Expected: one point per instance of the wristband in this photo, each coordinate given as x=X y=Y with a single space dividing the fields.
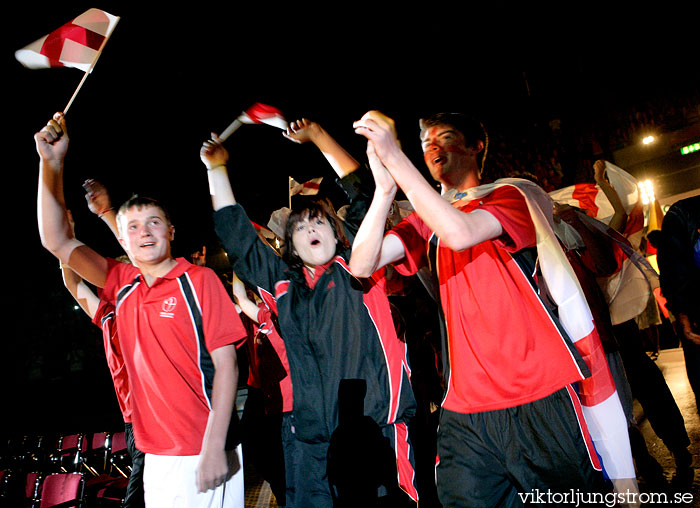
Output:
x=213 y=175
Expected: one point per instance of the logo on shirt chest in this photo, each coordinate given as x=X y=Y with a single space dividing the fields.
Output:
x=168 y=307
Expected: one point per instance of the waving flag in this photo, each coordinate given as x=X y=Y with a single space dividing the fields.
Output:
x=257 y=114
x=262 y=113
x=627 y=291
x=592 y=199
x=77 y=44
x=305 y=189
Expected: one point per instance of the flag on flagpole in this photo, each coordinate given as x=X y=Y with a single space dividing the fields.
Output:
x=262 y=113
x=305 y=189
x=77 y=44
x=257 y=114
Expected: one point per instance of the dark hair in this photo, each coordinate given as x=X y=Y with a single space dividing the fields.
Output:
x=471 y=128
x=315 y=207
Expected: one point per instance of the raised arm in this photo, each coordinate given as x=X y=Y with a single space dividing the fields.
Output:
x=100 y=204
x=215 y=157
x=54 y=227
x=254 y=261
x=619 y=218
x=372 y=250
x=304 y=130
x=456 y=230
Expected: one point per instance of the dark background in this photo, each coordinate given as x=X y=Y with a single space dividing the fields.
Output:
x=169 y=76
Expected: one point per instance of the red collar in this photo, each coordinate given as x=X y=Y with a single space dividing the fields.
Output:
x=318 y=271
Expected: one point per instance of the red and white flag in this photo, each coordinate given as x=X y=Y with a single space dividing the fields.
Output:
x=77 y=44
x=305 y=189
x=590 y=197
x=262 y=113
x=256 y=114
x=627 y=291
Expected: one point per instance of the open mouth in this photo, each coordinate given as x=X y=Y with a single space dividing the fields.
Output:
x=439 y=159
x=147 y=244
x=315 y=242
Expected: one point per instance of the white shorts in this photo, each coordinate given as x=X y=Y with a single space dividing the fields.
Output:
x=170 y=482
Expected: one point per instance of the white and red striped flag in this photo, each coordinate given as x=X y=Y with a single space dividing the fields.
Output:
x=257 y=114
x=262 y=113
x=77 y=44
x=305 y=189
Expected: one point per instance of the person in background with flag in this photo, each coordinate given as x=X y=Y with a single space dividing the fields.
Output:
x=647 y=381
x=333 y=328
x=510 y=364
x=177 y=329
x=590 y=248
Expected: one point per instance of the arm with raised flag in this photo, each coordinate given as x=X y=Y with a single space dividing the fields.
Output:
x=254 y=261
x=55 y=230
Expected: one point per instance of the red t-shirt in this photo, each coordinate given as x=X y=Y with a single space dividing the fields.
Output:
x=166 y=334
x=104 y=318
x=504 y=349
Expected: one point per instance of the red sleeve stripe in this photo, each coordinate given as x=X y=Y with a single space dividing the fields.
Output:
x=405 y=471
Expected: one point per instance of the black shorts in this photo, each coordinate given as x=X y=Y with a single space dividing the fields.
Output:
x=498 y=458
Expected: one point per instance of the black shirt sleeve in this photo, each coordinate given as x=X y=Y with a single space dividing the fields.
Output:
x=254 y=262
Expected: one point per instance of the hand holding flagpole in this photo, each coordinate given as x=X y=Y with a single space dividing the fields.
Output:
x=233 y=127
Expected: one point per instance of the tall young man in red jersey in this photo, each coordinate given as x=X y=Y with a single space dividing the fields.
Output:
x=177 y=328
x=511 y=425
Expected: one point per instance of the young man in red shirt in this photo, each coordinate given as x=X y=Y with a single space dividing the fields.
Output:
x=177 y=328
x=511 y=424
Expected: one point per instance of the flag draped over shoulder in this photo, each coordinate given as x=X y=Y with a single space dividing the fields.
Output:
x=77 y=44
x=599 y=400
